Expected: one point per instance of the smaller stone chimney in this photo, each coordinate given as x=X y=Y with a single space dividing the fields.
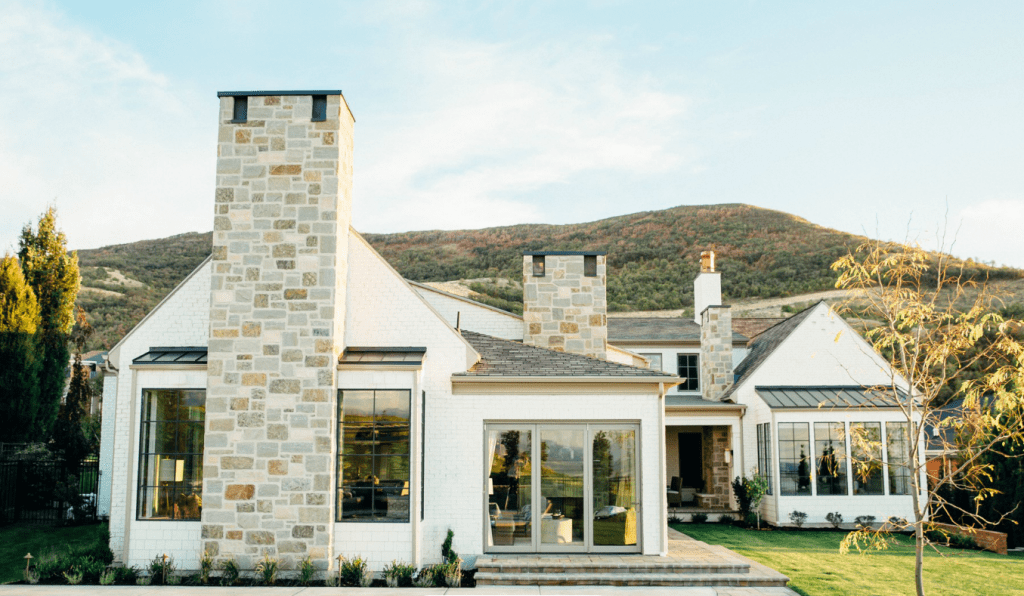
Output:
x=564 y=302
x=715 y=320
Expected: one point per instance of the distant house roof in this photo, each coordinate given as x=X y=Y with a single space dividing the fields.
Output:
x=762 y=346
x=507 y=358
x=626 y=329
x=828 y=396
x=754 y=326
x=173 y=355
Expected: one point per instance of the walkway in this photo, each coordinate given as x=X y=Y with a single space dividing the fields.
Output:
x=481 y=591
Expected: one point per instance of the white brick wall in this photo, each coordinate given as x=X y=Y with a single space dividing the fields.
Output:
x=182 y=319
x=474 y=317
x=107 y=431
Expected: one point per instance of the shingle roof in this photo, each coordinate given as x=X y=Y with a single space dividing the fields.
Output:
x=762 y=347
x=507 y=358
x=836 y=396
x=754 y=326
x=657 y=329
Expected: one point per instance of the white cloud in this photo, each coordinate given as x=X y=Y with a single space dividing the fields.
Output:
x=91 y=127
x=493 y=123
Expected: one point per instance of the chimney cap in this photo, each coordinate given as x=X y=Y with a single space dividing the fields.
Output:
x=564 y=253
x=265 y=93
x=707 y=261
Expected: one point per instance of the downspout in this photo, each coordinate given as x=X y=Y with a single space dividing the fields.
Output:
x=663 y=498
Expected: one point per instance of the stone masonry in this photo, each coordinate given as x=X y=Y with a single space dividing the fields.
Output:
x=565 y=310
x=277 y=312
x=716 y=373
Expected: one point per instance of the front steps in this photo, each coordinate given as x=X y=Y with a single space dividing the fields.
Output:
x=689 y=563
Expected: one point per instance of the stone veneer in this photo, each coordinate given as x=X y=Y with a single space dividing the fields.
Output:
x=716 y=372
x=277 y=312
x=565 y=310
x=717 y=480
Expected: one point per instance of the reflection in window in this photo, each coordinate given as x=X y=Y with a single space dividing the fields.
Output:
x=509 y=488
x=794 y=466
x=830 y=458
x=688 y=369
x=171 y=454
x=866 y=457
x=373 y=455
x=898 y=447
x=764 y=453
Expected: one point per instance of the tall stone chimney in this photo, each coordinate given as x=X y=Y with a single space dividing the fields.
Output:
x=564 y=301
x=715 y=320
x=280 y=240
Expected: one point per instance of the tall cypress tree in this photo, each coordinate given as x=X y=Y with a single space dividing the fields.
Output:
x=19 y=361
x=53 y=274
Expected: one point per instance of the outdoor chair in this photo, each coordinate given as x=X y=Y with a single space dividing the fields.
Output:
x=675 y=492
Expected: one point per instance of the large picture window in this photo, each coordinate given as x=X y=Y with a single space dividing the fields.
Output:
x=764 y=453
x=830 y=458
x=688 y=366
x=794 y=461
x=866 y=457
x=171 y=454
x=898 y=447
x=373 y=455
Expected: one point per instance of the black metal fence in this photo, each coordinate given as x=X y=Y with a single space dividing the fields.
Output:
x=48 y=491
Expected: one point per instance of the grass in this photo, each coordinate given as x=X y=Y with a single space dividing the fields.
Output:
x=812 y=561
x=15 y=541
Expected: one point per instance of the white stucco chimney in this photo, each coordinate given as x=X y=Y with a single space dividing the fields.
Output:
x=707 y=287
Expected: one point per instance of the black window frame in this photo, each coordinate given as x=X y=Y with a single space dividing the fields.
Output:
x=144 y=420
x=689 y=370
x=339 y=484
x=808 y=457
x=764 y=453
x=240 y=109
x=319 y=113
x=539 y=266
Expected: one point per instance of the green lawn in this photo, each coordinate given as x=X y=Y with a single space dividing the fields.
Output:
x=812 y=561
x=15 y=541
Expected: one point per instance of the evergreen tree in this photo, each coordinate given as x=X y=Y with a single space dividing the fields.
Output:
x=52 y=273
x=19 y=363
x=69 y=433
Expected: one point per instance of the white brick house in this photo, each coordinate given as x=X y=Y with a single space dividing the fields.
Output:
x=295 y=396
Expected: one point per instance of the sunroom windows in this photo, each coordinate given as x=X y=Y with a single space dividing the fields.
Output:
x=171 y=454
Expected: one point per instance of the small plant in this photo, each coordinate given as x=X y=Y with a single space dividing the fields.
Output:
x=453 y=573
x=205 y=567
x=125 y=575
x=425 y=578
x=74 y=575
x=726 y=519
x=964 y=541
x=798 y=518
x=699 y=518
x=752 y=520
x=173 y=580
x=31 y=576
x=161 y=567
x=307 y=572
x=107 y=577
x=675 y=519
x=447 y=554
x=749 y=492
x=836 y=519
x=398 y=574
x=352 y=571
x=865 y=522
x=898 y=523
x=229 y=572
x=267 y=570
x=144 y=580
x=367 y=579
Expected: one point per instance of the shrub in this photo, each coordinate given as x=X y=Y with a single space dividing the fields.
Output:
x=752 y=520
x=229 y=572
x=798 y=518
x=351 y=572
x=31 y=576
x=161 y=567
x=699 y=518
x=307 y=572
x=205 y=567
x=425 y=578
x=144 y=580
x=675 y=519
x=836 y=519
x=749 y=492
x=267 y=569
x=447 y=554
x=398 y=574
x=964 y=541
x=453 y=573
x=125 y=575
x=726 y=519
x=108 y=577
x=74 y=575
x=865 y=521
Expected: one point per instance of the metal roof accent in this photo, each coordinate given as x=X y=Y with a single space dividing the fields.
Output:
x=265 y=93
x=828 y=396
x=383 y=356
x=658 y=329
x=173 y=355
x=564 y=253
x=507 y=358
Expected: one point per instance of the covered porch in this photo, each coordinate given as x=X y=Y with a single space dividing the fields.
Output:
x=701 y=451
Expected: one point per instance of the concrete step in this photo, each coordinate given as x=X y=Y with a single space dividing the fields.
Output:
x=629 y=579
x=485 y=565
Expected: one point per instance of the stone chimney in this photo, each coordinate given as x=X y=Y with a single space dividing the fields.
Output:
x=280 y=240
x=715 y=320
x=564 y=301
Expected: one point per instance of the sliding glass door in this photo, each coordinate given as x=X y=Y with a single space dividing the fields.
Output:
x=582 y=496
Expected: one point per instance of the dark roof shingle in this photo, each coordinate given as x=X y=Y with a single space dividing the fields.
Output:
x=762 y=347
x=657 y=329
x=507 y=358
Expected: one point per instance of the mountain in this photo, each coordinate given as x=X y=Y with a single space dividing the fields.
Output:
x=653 y=257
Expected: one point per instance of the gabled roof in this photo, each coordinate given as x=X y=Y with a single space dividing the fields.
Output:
x=832 y=396
x=762 y=346
x=657 y=329
x=507 y=358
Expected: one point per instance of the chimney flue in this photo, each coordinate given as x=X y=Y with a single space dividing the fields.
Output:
x=707 y=261
x=564 y=301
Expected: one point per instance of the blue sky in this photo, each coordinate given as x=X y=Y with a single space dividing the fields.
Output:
x=889 y=119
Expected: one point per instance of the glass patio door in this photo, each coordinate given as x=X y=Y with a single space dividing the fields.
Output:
x=563 y=488
x=615 y=488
